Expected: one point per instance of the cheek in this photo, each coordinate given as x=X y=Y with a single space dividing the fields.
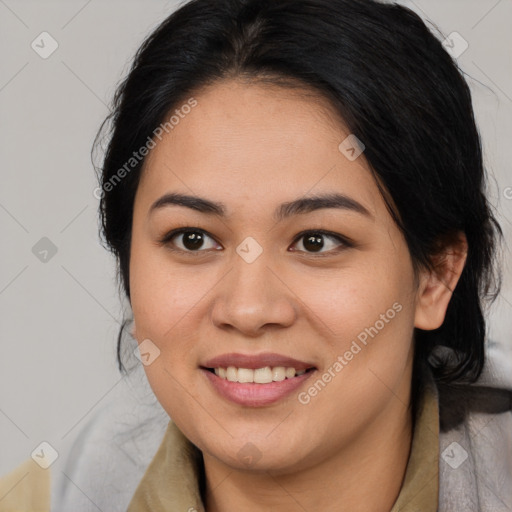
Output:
x=348 y=300
x=164 y=300
x=366 y=314
x=162 y=295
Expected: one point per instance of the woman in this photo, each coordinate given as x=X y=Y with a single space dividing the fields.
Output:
x=294 y=191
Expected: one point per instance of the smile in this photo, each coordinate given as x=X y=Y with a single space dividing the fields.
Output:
x=263 y=375
x=254 y=394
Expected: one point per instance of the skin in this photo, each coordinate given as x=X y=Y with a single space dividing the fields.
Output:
x=253 y=147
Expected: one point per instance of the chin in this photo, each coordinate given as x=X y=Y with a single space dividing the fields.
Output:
x=245 y=453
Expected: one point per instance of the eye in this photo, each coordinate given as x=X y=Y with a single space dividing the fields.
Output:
x=189 y=240
x=195 y=240
x=316 y=241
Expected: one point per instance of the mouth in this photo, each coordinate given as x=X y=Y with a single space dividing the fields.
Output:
x=256 y=381
x=264 y=375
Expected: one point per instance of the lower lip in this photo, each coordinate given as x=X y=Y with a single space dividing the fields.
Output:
x=255 y=395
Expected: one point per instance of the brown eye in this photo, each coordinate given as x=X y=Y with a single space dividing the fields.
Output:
x=316 y=241
x=189 y=240
x=313 y=243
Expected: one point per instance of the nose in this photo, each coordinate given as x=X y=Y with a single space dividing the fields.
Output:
x=253 y=298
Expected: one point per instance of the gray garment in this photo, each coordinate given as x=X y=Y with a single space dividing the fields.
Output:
x=475 y=463
x=110 y=455
x=113 y=450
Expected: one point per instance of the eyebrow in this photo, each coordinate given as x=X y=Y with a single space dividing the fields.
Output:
x=283 y=211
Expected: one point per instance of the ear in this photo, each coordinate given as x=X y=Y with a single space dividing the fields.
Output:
x=436 y=287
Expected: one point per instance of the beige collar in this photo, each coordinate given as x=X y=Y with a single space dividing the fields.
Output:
x=420 y=489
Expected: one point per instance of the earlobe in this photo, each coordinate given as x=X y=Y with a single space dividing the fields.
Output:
x=436 y=287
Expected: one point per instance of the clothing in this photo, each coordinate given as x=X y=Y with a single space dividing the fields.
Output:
x=25 y=489
x=460 y=461
x=171 y=480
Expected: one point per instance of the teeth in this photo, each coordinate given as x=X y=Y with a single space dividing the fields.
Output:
x=259 y=376
x=262 y=375
x=278 y=373
x=245 y=375
x=232 y=374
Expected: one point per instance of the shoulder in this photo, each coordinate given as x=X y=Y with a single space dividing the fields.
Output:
x=25 y=489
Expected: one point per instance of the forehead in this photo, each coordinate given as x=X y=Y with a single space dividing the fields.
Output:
x=257 y=143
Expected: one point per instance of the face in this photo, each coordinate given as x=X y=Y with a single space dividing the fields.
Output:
x=268 y=279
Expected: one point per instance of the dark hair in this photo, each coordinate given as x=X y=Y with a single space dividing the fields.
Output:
x=395 y=87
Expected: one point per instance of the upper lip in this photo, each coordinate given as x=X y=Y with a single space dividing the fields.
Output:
x=256 y=361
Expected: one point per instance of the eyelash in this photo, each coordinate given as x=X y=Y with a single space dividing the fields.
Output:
x=344 y=242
